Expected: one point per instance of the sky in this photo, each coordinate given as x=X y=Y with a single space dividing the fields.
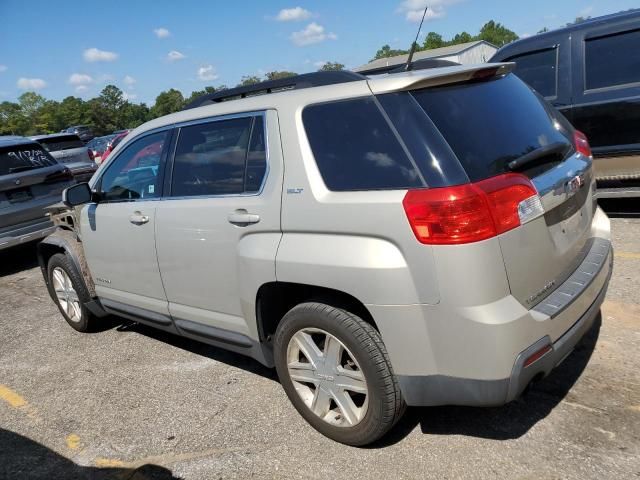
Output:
x=60 y=48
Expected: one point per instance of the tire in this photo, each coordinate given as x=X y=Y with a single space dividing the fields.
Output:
x=77 y=316
x=363 y=365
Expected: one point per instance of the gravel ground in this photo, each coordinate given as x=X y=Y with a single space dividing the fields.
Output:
x=131 y=402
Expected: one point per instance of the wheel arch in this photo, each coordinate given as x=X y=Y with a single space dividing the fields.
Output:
x=275 y=299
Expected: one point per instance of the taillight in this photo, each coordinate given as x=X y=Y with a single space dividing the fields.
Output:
x=473 y=211
x=90 y=153
x=581 y=143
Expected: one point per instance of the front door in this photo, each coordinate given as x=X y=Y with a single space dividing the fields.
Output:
x=118 y=230
x=218 y=230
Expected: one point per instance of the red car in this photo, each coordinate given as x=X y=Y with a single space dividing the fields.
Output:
x=113 y=144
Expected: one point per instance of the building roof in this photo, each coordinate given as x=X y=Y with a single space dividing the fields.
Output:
x=432 y=53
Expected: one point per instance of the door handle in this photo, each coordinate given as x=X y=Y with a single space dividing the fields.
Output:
x=242 y=218
x=138 y=218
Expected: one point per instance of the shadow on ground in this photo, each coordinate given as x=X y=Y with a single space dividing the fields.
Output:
x=22 y=458
x=501 y=423
x=510 y=421
x=18 y=259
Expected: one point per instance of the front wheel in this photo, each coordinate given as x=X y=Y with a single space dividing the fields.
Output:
x=336 y=371
x=70 y=293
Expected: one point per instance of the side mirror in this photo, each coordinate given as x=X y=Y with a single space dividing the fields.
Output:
x=77 y=195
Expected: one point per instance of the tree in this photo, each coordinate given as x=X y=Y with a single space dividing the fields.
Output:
x=331 y=67
x=496 y=34
x=462 y=37
x=578 y=20
x=29 y=104
x=543 y=30
x=198 y=93
x=10 y=118
x=433 y=40
x=167 y=102
x=387 y=51
x=134 y=114
x=247 y=80
x=277 y=75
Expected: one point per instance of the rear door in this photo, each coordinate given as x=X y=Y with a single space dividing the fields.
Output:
x=118 y=232
x=489 y=124
x=223 y=209
x=606 y=86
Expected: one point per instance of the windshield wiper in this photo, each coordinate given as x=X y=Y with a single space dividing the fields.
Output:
x=537 y=154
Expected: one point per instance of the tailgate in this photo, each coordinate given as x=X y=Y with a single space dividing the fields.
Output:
x=498 y=126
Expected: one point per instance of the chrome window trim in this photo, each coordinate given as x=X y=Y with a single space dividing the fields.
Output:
x=218 y=118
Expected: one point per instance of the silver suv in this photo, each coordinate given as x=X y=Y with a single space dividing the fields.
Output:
x=420 y=238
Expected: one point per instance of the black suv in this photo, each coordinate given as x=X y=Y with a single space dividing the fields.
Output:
x=591 y=72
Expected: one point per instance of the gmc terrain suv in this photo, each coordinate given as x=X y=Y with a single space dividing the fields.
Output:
x=590 y=71
x=30 y=181
x=420 y=238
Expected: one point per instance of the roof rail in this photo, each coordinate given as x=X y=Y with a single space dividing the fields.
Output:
x=297 y=82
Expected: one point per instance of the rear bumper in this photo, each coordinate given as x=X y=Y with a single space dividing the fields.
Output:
x=431 y=390
x=23 y=234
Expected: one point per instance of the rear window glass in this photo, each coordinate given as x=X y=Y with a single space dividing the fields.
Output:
x=539 y=69
x=488 y=124
x=612 y=60
x=355 y=148
x=55 y=144
x=22 y=158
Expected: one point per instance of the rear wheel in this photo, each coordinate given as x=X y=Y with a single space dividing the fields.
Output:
x=336 y=372
x=70 y=293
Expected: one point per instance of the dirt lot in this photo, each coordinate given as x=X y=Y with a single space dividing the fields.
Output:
x=131 y=402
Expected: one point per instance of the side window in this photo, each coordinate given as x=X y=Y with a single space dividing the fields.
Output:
x=134 y=174
x=223 y=157
x=612 y=60
x=539 y=70
x=355 y=149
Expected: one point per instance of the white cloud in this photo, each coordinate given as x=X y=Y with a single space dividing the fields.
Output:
x=80 y=79
x=413 y=9
x=161 y=32
x=82 y=88
x=174 y=56
x=95 y=55
x=3 y=68
x=31 y=83
x=129 y=95
x=129 y=80
x=312 y=33
x=295 y=14
x=207 y=73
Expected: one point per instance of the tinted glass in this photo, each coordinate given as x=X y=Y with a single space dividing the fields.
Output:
x=134 y=174
x=55 y=144
x=490 y=123
x=539 y=70
x=256 y=158
x=355 y=149
x=210 y=158
x=612 y=60
x=24 y=157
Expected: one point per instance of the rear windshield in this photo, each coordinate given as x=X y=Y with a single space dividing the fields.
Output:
x=490 y=123
x=22 y=158
x=55 y=144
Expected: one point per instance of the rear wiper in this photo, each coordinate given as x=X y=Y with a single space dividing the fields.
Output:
x=538 y=153
x=22 y=168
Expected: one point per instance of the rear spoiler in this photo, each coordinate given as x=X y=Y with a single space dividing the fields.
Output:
x=414 y=80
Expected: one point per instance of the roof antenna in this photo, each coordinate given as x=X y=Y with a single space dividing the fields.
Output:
x=407 y=67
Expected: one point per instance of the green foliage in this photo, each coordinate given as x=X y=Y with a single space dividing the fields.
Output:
x=433 y=40
x=578 y=20
x=496 y=33
x=331 y=67
x=277 y=75
x=387 y=51
x=168 y=102
x=247 y=80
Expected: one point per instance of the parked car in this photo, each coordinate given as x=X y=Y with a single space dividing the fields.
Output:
x=83 y=131
x=30 y=180
x=419 y=238
x=70 y=150
x=591 y=72
x=113 y=143
x=97 y=147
